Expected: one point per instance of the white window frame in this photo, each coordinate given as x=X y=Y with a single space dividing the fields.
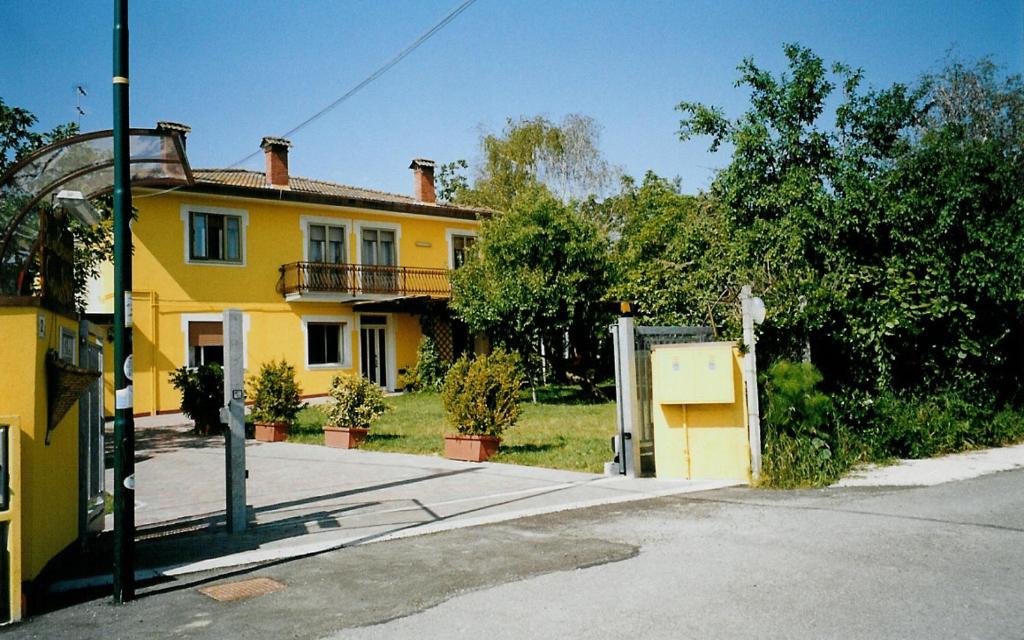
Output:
x=68 y=333
x=186 y=220
x=345 y=223
x=449 y=234
x=384 y=226
x=187 y=318
x=346 y=341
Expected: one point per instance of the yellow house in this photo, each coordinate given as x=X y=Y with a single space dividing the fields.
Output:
x=332 y=278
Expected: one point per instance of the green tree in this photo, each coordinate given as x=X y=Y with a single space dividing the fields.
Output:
x=537 y=276
x=674 y=256
x=532 y=152
x=891 y=240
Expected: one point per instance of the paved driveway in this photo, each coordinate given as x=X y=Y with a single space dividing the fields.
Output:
x=307 y=498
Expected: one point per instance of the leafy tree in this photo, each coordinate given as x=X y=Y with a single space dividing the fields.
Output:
x=532 y=152
x=537 y=275
x=674 y=255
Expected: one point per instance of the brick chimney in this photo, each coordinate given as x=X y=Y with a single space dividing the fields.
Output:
x=423 y=180
x=276 y=150
x=176 y=127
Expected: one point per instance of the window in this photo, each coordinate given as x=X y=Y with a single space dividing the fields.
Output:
x=326 y=243
x=215 y=237
x=67 y=345
x=205 y=343
x=460 y=247
x=325 y=344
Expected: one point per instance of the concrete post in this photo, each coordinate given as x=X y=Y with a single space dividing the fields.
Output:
x=750 y=381
x=629 y=410
x=234 y=415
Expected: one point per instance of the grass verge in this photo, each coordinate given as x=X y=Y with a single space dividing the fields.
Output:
x=560 y=431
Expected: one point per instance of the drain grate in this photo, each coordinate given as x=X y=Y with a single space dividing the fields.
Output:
x=231 y=591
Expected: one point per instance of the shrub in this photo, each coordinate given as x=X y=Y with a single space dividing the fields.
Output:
x=202 y=395
x=275 y=394
x=801 y=444
x=481 y=396
x=894 y=426
x=356 y=402
x=430 y=369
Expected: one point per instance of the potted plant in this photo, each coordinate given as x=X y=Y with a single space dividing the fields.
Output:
x=481 y=400
x=276 y=402
x=355 y=404
x=202 y=396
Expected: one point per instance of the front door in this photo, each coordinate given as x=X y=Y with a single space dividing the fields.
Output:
x=373 y=349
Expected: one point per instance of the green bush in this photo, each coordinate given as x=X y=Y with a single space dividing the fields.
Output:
x=356 y=402
x=430 y=369
x=481 y=396
x=801 y=443
x=891 y=426
x=202 y=395
x=275 y=394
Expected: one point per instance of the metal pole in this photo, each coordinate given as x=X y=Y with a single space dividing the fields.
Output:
x=750 y=382
x=124 y=423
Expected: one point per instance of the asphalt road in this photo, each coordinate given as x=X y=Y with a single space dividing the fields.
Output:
x=938 y=562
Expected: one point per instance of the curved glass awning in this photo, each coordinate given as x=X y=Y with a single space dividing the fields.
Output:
x=83 y=163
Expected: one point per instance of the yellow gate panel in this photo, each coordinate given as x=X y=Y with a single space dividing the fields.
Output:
x=699 y=414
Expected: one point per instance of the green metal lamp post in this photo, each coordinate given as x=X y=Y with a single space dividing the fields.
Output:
x=124 y=423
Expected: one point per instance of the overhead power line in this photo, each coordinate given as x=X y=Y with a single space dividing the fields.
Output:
x=373 y=76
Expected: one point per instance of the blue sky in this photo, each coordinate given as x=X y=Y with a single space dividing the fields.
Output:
x=236 y=71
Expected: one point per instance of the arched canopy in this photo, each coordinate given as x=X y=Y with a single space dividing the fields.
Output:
x=83 y=163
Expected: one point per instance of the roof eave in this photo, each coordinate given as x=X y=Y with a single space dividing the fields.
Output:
x=284 y=195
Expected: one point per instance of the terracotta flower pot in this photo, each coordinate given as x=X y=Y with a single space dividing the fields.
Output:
x=344 y=437
x=272 y=432
x=470 y=448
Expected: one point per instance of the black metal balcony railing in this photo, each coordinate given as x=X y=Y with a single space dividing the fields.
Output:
x=359 y=279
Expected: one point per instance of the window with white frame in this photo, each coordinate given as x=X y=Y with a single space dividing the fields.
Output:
x=205 y=343
x=326 y=342
x=326 y=243
x=214 y=237
x=67 y=345
x=460 y=247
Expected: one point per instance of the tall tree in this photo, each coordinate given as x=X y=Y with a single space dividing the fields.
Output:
x=563 y=157
x=535 y=282
x=892 y=239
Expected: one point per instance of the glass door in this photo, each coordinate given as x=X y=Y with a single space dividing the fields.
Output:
x=373 y=349
x=379 y=273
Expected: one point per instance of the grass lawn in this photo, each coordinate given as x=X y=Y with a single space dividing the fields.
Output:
x=561 y=431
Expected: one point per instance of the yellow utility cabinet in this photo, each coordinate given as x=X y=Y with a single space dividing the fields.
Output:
x=699 y=412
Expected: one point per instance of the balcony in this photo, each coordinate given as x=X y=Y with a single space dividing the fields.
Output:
x=355 y=282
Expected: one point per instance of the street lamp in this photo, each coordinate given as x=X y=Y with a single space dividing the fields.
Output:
x=75 y=203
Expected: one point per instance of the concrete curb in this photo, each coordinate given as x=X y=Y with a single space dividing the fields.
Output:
x=933 y=471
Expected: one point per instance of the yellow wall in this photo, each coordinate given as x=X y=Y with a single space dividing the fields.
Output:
x=166 y=287
x=48 y=498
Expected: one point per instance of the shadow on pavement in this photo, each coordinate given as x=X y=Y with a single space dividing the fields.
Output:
x=204 y=537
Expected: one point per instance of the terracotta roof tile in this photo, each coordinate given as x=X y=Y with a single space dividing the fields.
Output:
x=257 y=180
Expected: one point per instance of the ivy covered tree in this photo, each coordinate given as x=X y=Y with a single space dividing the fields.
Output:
x=886 y=234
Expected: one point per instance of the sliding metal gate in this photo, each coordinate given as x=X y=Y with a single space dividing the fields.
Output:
x=635 y=441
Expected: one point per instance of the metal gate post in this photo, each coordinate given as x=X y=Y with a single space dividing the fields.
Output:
x=750 y=381
x=234 y=415
x=629 y=411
